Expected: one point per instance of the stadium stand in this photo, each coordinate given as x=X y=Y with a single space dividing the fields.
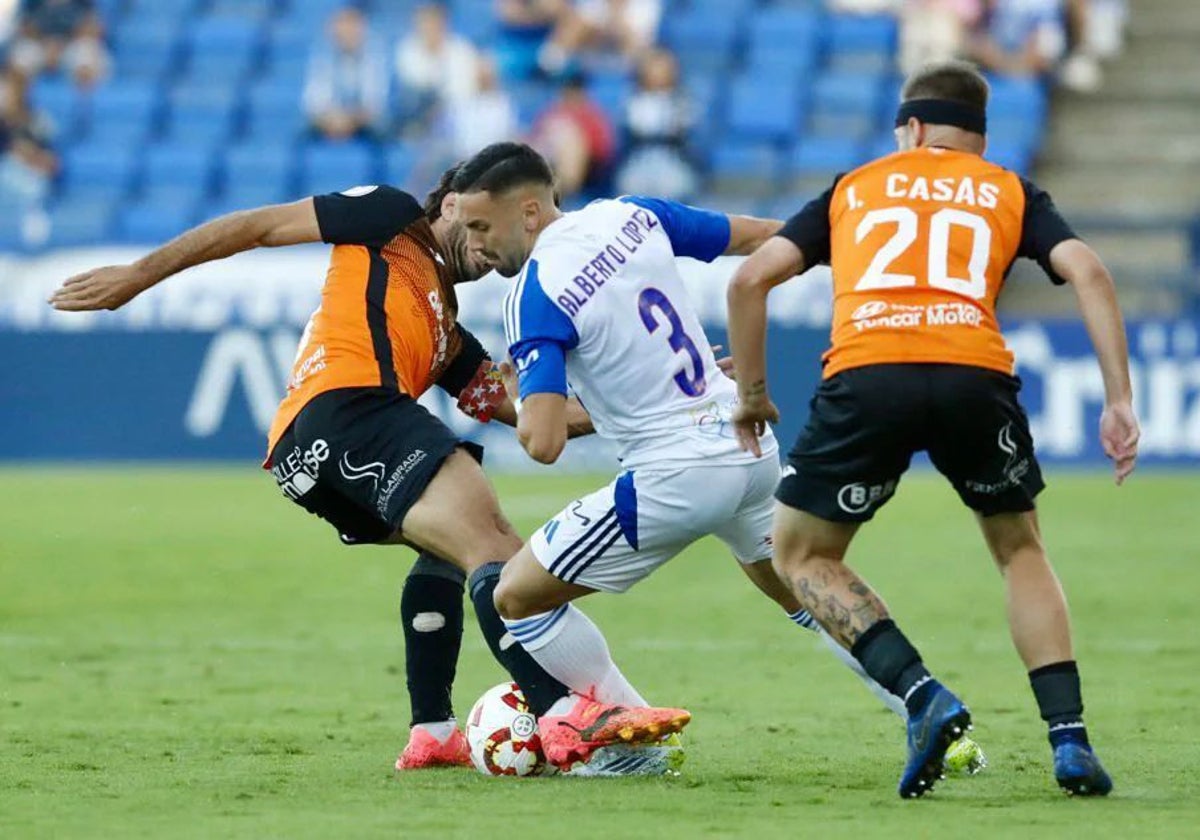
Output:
x=202 y=112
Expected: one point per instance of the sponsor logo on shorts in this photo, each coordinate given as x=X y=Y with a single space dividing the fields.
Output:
x=1015 y=467
x=397 y=478
x=297 y=473
x=859 y=498
x=372 y=471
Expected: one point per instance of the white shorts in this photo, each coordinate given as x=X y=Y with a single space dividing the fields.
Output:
x=615 y=537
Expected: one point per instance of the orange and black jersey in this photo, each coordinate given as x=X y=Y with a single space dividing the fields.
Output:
x=388 y=313
x=920 y=243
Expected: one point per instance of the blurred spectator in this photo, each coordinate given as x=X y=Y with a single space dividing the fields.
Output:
x=433 y=63
x=27 y=162
x=525 y=32
x=1104 y=30
x=576 y=137
x=346 y=91
x=483 y=117
x=658 y=119
x=1020 y=37
x=61 y=35
x=935 y=30
x=8 y=22
x=626 y=27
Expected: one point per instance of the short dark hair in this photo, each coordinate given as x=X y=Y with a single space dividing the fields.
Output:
x=956 y=81
x=501 y=167
x=433 y=201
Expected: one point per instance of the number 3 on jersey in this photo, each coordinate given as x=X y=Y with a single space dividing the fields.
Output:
x=974 y=285
x=652 y=299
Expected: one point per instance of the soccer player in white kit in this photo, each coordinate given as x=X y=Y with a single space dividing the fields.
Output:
x=598 y=303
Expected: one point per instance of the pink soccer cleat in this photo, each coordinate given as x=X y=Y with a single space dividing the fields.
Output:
x=425 y=751
x=571 y=738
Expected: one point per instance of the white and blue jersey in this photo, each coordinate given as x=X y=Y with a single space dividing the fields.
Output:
x=600 y=309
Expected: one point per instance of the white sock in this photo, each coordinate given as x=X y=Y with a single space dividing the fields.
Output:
x=572 y=650
x=442 y=730
x=805 y=620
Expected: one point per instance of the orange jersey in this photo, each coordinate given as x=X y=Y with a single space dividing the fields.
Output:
x=920 y=243
x=388 y=308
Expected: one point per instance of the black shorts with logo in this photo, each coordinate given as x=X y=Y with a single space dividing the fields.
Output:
x=359 y=458
x=866 y=423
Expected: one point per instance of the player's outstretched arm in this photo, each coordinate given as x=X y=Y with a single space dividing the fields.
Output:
x=264 y=227
x=1079 y=265
x=773 y=263
x=747 y=234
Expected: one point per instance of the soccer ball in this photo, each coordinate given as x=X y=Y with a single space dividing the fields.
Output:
x=503 y=735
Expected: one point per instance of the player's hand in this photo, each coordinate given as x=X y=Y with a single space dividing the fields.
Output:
x=101 y=288
x=750 y=419
x=1119 y=435
x=509 y=374
x=725 y=363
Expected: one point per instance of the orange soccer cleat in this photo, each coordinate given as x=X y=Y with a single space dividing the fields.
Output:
x=571 y=738
x=424 y=750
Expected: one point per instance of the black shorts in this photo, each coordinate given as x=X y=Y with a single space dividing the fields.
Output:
x=359 y=458
x=866 y=423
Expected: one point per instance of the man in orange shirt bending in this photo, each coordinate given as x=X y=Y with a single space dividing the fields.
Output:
x=920 y=243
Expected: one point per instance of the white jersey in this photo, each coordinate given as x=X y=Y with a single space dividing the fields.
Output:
x=600 y=307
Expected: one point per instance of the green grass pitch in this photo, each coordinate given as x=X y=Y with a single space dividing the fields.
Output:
x=183 y=654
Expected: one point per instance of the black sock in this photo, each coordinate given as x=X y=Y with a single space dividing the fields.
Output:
x=431 y=612
x=1060 y=701
x=891 y=660
x=540 y=689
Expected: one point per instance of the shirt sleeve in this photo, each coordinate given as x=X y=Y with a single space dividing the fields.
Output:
x=539 y=335
x=463 y=368
x=371 y=216
x=1042 y=229
x=700 y=234
x=809 y=229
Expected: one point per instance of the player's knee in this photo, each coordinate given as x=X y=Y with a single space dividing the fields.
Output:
x=1013 y=536
x=510 y=603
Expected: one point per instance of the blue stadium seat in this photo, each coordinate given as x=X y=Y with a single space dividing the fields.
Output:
x=611 y=92
x=531 y=99
x=842 y=93
x=825 y=156
x=144 y=52
x=1022 y=98
x=161 y=15
x=475 y=20
x=202 y=114
x=787 y=25
x=224 y=48
x=862 y=42
x=274 y=111
x=176 y=164
x=100 y=165
x=182 y=197
x=399 y=161
x=795 y=61
x=331 y=167
x=58 y=98
x=245 y=198
x=732 y=160
x=701 y=31
x=260 y=169
x=150 y=223
x=124 y=109
x=763 y=109
x=75 y=222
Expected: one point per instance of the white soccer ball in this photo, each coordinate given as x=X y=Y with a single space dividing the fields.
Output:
x=503 y=734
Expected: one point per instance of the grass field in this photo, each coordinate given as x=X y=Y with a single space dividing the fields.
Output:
x=185 y=654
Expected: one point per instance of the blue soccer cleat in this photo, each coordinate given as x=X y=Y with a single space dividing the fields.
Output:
x=1079 y=772
x=942 y=722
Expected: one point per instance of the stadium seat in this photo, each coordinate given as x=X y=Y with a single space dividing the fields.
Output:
x=744 y=167
x=785 y=25
x=825 y=156
x=125 y=110
x=146 y=52
x=100 y=165
x=332 y=167
x=202 y=114
x=255 y=168
x=701 y=32
x=399 y=162
x=1022 y=98
x=842 y=93
x=763 y=109
x=178 y=164
x=862 y=42
x=150 y=223
x=75 y=222
x=224 y=48
x=59 y=99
